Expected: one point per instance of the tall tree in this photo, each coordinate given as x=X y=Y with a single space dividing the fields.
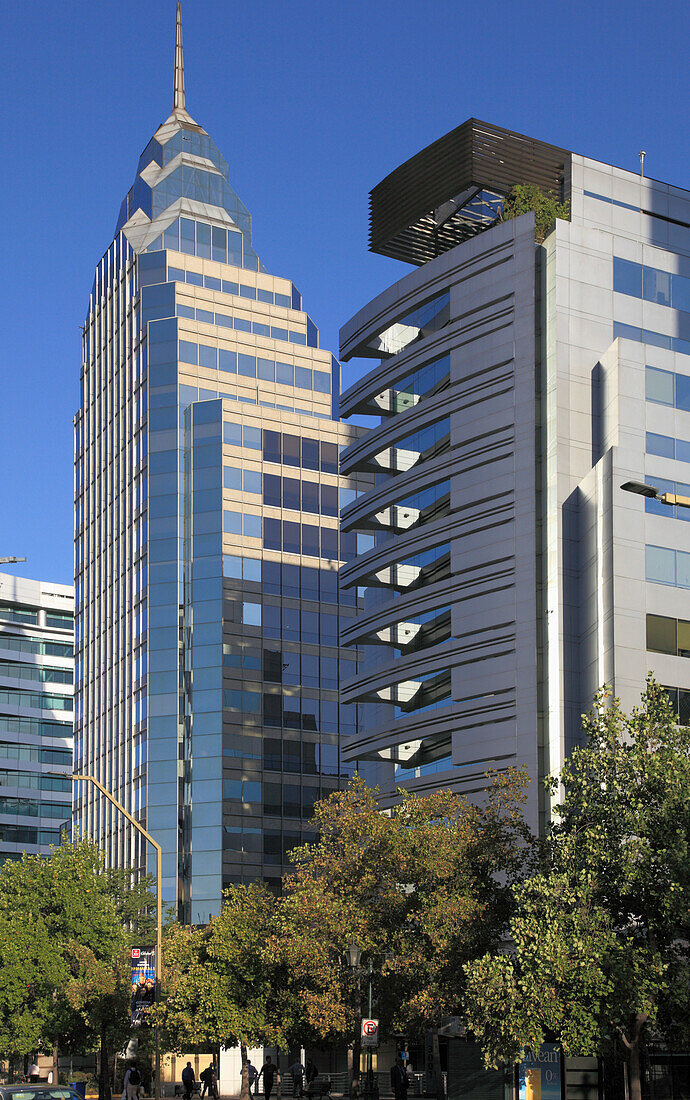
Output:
x=65 y=927
x=224 y=984
x=601 y=933
x=420 y=888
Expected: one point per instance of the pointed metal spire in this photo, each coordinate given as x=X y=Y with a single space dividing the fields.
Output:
x=178 y=86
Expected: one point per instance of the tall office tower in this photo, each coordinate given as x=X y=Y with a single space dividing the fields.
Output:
x=207 y=543
x=36 y=689
x=519 y=386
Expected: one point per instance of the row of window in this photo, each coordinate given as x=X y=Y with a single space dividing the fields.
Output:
x=31 y=807
x=648 y=336
x=670 y=511
x=253 y=366
x=667 y=447
x=21 y=698
x=283 y=447
x=35 y=755
x=300 y=496
x=286 y=800
x=280 y=712
x=300 y=582
x=44 y=674
x=305 y=538
x=194 y=393
x=668 y=635
x=20 y=644
x=666 y=566
x=34 y=727
x=651 y=284
x=284 y=667
x=300 y=451
x=17 y=614
x=23 y=834
x=294 y=624
x=36 y=780
x=239 y=324
x=665 y=387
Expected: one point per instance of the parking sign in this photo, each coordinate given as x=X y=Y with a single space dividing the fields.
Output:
x=370 y=1033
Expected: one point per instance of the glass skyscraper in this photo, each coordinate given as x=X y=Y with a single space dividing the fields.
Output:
x=207 y=546
x=36 y=678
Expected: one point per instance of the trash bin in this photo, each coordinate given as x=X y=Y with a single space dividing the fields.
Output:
x=79 y=1087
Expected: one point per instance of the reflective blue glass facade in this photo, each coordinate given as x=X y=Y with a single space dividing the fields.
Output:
x=207 y=546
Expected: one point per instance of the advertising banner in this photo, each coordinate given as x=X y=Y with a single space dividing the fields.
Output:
x=143 y=983
x=539 y=1074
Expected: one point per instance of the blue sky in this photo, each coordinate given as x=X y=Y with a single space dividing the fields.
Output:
x=312 y=102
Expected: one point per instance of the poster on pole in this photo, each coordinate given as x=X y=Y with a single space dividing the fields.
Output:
x=539 y=1074
x=143 y=983
x=370 y=1033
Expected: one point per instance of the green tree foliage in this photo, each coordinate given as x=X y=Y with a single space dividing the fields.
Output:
x=601 y=932
x=224 y=984
x=421 y=888
x=65 y=929
x=527 y=196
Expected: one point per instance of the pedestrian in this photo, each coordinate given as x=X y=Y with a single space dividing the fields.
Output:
x=296 y=1071
x=268 y=1070
x=252 y=1074
x=354 y=1087
x=132 y=1082
x=188 y=1080
x=214 y=1083
x=399 y=1081
x=310 y=1072
x=206 y=1076
x=34 y=1072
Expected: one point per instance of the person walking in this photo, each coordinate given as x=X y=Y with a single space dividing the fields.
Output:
x=252 y=1074
x=132 y=1082
x=310 y=1072
x=268 y=1070
x=209 y=1078
x=188 y=1080
x=34 y=1072
x=399 y=1080
x=296 y=1071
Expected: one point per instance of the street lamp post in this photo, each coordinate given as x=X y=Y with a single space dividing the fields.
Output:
x=159 y=899
x=354 y=958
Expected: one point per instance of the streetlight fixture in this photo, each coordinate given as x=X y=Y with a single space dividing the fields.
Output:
x=354 y=955
x=76 y=778
x=11 y=560
x=640 y=488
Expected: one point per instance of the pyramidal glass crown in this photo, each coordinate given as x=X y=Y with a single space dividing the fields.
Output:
x=183 y=173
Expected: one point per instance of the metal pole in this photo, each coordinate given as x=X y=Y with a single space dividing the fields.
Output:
x=159 y=900
x=370 y=1068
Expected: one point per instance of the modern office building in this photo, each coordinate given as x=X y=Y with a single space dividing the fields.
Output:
x=207 y=544
x=36 y=701
x=518 y=387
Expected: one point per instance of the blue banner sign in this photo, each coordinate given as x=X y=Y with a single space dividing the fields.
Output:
x=539 y=1074
x=143 y=982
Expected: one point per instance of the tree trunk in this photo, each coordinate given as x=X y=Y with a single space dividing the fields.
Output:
x=104 y=1091
x=56 y=1063
x=634 y=1070
x=244 y=1090
x=438 y=1072
x=632 y=1046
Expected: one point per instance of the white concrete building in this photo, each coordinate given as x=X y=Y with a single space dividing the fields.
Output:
x=519 y=386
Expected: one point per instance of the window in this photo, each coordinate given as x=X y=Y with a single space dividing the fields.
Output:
x=665 y=566
x=661 y=634
x=662 y=445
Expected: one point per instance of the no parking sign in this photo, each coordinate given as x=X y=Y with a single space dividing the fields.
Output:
x=370 y=1033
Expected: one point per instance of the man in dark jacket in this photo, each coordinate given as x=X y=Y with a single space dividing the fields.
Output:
x=188 y=1080
x=399 y=1080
